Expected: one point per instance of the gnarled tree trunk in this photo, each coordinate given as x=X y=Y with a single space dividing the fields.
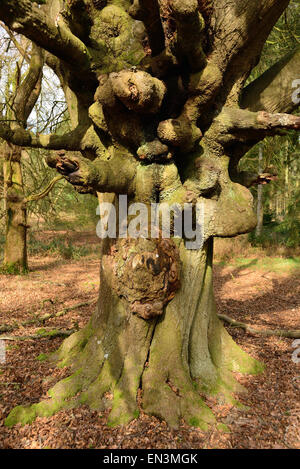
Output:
x=159 y=113
x=169 y=361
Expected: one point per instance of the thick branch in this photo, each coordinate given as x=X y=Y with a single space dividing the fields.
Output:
x=190 y=25
x=273 y=91
x=23 y=138
x=148 y=12
x=249 y=179
x=28 y=91
x=240 y=29
x=238 y=125
x=27 y=18
x=116 y=175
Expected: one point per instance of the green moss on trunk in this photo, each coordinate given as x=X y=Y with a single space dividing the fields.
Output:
x=15 y=249
x=173 y=361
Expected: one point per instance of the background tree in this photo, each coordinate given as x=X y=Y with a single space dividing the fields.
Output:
x=280 y=154
x=159 y=112
x=22 y=74
x=24 y=94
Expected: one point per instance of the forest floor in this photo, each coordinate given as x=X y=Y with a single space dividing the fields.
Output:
x=262 y=292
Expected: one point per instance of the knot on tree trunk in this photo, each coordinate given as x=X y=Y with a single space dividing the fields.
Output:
x=62 y=163
x=180 y=133
x=138 y=91
x=144 y=272
x=154 y=151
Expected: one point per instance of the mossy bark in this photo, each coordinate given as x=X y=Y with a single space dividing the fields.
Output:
x=15 y=249
x=171 y=361
x=162 y=125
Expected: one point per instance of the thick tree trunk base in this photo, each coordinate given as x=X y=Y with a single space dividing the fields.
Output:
x=172 y=361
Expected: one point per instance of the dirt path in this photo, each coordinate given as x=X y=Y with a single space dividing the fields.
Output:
x=265 y=299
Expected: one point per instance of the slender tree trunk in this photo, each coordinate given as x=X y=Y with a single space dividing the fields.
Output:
x=287 y=179
x=15 y=249
x=260 y=207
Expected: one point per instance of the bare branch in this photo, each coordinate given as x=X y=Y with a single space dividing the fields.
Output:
x=44 y=192
x=24 y=138
x=27 y=18
x=291 y=334
x=18 y=46
x=28 y=91
x=273 y=90
x=239 y=125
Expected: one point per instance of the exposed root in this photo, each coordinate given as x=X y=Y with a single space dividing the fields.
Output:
x=174 y=402
x=119 y=356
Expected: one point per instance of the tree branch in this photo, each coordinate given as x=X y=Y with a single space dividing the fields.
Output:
x=291 y=334
x=22 y=51
x=148 y=12
x=248 y=179
x=25 y=17
x=240 y=29
x=190 y=25
x=47 y=334
x=273 y=90
x=24 y=138
x=28 y=91
x=115 y=175
x=239 y=125
x=44 y=192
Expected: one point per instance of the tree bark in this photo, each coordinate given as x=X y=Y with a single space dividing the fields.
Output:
x=159 y=126
x=165 y=365
x=260 y=206
x=15 y=247
x=20 y=104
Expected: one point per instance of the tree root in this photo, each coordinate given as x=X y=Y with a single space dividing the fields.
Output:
x=292 y=334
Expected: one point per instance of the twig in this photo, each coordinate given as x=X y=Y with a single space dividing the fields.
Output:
x=7 y=328
x=52 y=334
x=66 y=310
x=42 y=319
